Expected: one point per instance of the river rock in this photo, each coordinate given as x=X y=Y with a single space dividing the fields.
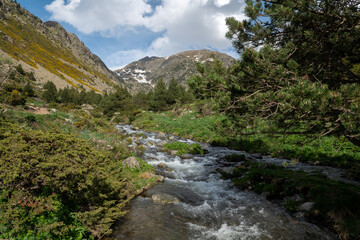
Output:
x=131 y=162
x=296 y=198
x=306 y=206
x=159 y=178
x=299 y=215
x=162 y=165
x=146 y=175
x=171 y=138
x=161 y=135
x=173 y=152
x=163 y=199
x=257 y=155
x=186 y=156
x=160 y=144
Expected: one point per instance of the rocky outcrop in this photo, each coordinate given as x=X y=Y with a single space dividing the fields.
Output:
x=144 y=74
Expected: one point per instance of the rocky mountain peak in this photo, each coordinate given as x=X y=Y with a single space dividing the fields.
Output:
x=143 y=74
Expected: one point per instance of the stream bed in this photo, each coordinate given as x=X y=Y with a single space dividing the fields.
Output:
x=210 y=207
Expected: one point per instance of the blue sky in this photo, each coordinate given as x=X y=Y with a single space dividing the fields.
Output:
x=123 y=31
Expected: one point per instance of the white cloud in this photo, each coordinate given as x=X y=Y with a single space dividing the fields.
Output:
x=186 y=24
x=93 y=15
x=220 y=3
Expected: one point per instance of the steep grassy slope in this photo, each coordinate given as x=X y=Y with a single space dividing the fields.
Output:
x=47 y=46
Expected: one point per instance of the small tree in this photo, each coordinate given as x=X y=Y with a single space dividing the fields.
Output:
x=28 y=90
x=50 y=93
x=159 y=97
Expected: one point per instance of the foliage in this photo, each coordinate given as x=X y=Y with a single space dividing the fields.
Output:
x=163 y=97
x=28 y=90
x=118 y=101
x=16 y=85
x=159 y=97
x=293 y=83
x=70 y=96
x=50 y=93
x=51 y=182
x=323 y=37
x=190 y=125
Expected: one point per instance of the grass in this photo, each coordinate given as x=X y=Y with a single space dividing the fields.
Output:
x=134 y=175
x=191 y=125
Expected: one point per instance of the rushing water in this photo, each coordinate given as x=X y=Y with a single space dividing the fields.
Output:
x=210 y=208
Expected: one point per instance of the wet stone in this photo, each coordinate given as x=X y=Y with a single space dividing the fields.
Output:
x=163 y=199
x=162 y=165
x=306 y=206
x=186 y=156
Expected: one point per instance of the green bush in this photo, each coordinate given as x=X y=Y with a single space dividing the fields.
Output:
x=55 y=186
x=16 y=98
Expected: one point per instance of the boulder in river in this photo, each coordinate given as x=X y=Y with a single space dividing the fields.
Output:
x=257 y=155
x=306 y=206
x=149 y=175
x=131 y=162
x=186 y=156
x=173 y=152
x=160 y=144
x=161 y=135
x=159 y=178
x=163 y=199
x=162 y=165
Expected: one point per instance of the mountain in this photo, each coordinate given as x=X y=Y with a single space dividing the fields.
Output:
x=50 y=51
x=143 y=74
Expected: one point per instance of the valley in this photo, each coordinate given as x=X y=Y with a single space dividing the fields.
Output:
x=191 y=145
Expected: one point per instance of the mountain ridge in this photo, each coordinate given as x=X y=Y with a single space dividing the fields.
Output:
x=142 y=75
x=51 y=52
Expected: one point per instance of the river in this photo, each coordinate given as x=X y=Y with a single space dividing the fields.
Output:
x=210 y=207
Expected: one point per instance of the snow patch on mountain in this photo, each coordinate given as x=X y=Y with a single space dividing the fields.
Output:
x=139 y=75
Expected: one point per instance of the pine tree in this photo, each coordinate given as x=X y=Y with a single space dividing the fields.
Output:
x=298 y=69
x=50 y=93
x=159 y=97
